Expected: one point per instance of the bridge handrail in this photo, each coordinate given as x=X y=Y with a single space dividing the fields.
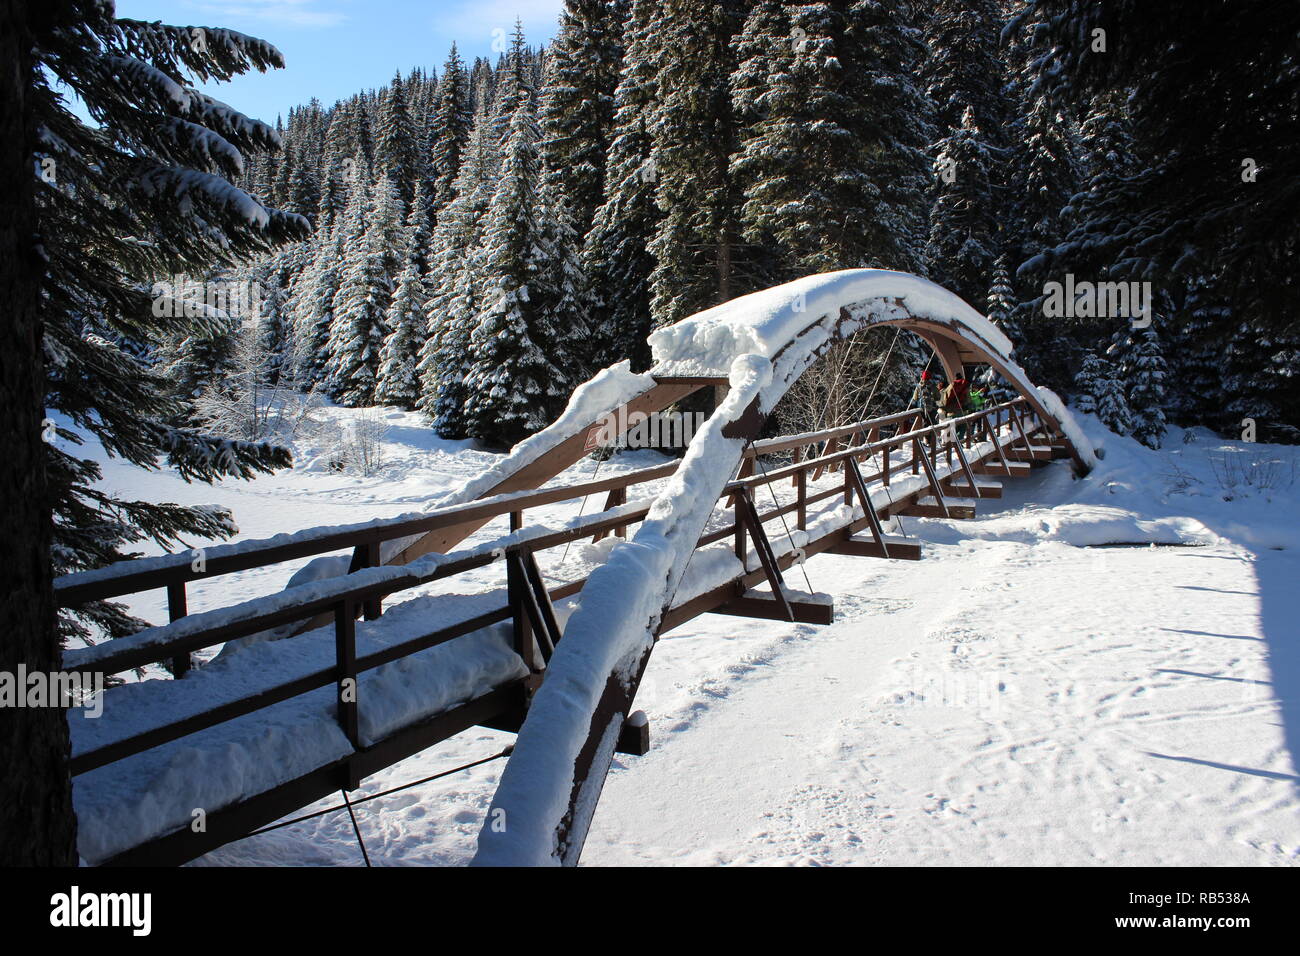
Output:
x=343 y=597
x=145 y=574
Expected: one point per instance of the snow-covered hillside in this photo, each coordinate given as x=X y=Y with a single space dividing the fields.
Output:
x=1015 y=697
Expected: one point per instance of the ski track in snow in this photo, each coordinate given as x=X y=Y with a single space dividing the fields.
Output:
x=1006 y=700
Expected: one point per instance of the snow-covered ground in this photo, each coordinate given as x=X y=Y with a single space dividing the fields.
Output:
x=1012 y=698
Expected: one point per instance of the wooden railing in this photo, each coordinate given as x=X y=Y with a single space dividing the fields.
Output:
x=527 y=599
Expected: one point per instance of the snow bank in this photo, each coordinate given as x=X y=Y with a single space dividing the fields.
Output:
x=763 y=322
x=125 y=803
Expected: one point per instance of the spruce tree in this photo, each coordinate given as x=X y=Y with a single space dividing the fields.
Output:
x=450 y=130
x=694 y=133
x=455 y=286
x=358 y=328
x=142 y=195
x=512 y=384
x=1146 y=389
x=1112 y=406
x=886 y=53
x=1090 y=382
x=399 y=382
x=578 y=104
x=395 y=143
x=809 y=199
x=616 y=257
x=1199 y=131
x=961 y=252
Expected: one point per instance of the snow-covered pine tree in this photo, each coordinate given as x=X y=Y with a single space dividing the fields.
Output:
x=808 y=196
x=1111 y=405
x=311 y=308
x=399 y=381
x=1089 y=382
x=963 y=69
x=395 y=153
x=1195 y=392
x=1146 y=389
x=886 y=50
x=449 y=130
x=456 y=275
x=140 y=194
x=511 y=383
x=962 y=253
x=1044 y=177
x=1199 y=132
x=419 y=231
x=617 y=260
x=563 y=293
x=693 y=131
x=1001 y=305
x=1262 y=381
x=361 y=303
x=577 y=114
x=514 y=85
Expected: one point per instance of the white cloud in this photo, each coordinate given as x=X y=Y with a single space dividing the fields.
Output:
x=468 y=18
x=302 y=13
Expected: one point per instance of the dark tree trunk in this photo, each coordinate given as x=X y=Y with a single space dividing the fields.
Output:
x=37 y=826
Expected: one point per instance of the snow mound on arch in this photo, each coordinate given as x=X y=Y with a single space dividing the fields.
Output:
x=761 y=323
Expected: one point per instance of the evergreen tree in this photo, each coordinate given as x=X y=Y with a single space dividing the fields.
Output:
x=399 y=382
x=694 y=133
x=312 y=308
x=1001 y=306
x=512 y=383
x=456 y=277
x=395 y=151
x=887 y=51
x=142 y=194
x=578 y=104
x=1112 y=406
x=1194 y=130
x=809 y=198
x=450 y=130
x=358 y=328
x=1146 y=389
x=961 y=253
x=616 y=256
x=1090 y=382
x=963 y=69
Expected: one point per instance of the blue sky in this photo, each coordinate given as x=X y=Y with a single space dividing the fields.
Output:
x=333 y=48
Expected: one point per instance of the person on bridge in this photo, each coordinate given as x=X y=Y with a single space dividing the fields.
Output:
x=955 y=401
x=926 y=397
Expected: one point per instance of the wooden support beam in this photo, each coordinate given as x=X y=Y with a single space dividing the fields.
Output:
x=962 y=508
x=959 y=488
x=1032 y=453
x=806 y=608
x=900 y=549
x=1012 y=469
x=747 y=516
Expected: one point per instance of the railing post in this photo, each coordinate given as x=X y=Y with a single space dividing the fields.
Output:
x=374 y=606
x=345 y=651
x=176 y=609
x=801 y=482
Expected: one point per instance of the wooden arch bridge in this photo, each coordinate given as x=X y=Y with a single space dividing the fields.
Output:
x=349 y=687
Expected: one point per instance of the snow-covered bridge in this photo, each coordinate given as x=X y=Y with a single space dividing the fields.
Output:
x=305 y=700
